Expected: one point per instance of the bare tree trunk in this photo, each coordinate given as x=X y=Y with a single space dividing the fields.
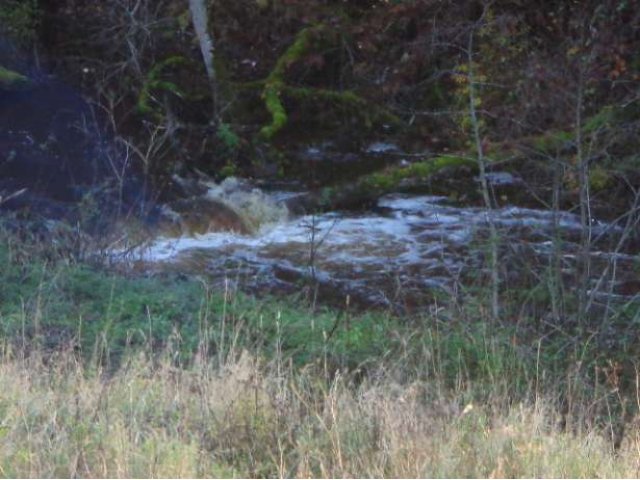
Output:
x=200 y=17
x=556 y=289
x=484 y=185
x=582 y=166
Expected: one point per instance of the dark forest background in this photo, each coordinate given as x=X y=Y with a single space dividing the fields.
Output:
x=556 y=84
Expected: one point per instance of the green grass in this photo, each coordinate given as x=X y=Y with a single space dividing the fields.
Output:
x=55 y=304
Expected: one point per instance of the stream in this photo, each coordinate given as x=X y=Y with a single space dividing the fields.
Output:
x=402 y=254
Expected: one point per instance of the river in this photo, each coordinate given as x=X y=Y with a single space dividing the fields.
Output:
x=404 y=254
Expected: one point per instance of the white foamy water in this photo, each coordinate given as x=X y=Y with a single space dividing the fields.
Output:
x=404 y=249
x=328 y=230
x=254 y=205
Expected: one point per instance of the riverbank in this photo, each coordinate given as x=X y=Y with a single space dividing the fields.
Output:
x=118 y=375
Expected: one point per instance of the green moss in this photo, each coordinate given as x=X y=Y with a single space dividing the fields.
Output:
x=293 y=53
x=154 y=82
x=228 y=137
x=275 y=82
x=229 y=170
x=10 y=80
x=391 y=178
x=278 y=113
x=379 y=181
x=599 y=178
x=274 y=88
x=553 y=141
x=369 y=187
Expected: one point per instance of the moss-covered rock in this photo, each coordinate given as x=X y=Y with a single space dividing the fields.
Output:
x=392 y=177
x=367 y=189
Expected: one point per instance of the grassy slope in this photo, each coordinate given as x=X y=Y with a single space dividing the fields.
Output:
x=137 y=377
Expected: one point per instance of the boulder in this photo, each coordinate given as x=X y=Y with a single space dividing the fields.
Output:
x=54 y=160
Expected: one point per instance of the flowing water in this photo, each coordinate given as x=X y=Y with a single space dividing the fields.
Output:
x=401 y=254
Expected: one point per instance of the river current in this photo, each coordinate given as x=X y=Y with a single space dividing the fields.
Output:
x=402 y=254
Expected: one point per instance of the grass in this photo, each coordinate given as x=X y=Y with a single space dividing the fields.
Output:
x=248 y=418
x=105 y=375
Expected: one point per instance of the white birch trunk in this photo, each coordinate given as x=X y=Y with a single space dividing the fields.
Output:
x=199 y=17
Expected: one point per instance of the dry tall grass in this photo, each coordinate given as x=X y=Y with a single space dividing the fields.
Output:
x=60 y=418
